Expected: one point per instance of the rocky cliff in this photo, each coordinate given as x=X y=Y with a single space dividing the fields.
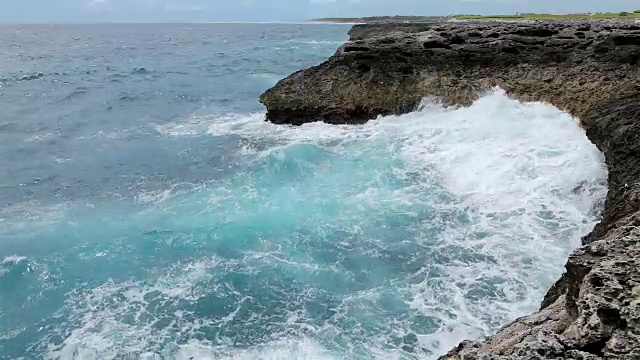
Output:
x=590 y=69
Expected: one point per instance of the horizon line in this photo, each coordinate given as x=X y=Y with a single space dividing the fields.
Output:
x=282 y=22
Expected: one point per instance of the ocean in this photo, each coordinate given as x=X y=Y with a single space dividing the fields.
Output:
x=147 y=210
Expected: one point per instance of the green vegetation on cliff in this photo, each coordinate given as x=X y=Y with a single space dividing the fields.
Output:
x=610 y=15
x=411 y=19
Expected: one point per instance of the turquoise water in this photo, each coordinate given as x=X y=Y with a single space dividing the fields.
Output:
x=148 y=211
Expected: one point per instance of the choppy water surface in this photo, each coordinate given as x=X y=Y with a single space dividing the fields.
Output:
x=146 y=209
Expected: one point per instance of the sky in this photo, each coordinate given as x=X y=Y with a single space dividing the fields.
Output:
x=82 y=11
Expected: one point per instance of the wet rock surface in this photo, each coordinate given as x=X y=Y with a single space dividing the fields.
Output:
x=590 y=69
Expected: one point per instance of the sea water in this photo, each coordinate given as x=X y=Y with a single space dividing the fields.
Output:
x=147 y=211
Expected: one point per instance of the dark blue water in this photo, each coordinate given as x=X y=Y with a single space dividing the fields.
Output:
x=147 y=210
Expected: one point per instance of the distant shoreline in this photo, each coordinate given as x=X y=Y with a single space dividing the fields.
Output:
x=409 y=19
x=606 y=15
x=380 y=19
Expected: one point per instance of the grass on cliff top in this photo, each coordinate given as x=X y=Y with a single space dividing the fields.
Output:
x=621 y=15
x=409 y=19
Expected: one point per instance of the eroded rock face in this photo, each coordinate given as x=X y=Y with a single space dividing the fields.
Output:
x=387 y=68
x=590 y=69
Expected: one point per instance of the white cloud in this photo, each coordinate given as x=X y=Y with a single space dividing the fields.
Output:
x=183 y=7
x=334 y=1
x=99 y=4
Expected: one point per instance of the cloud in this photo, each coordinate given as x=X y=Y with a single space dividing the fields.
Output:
x=183 y=7
x=99 y=4
x=28 y=11
x=335 y=1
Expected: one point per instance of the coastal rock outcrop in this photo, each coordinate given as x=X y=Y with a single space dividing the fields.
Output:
x=590 y=69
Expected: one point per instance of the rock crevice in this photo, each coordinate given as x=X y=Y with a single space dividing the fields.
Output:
x=590 y=69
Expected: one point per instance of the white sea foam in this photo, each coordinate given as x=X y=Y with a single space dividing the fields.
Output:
x=523 y=183
x=198 y=125
x=30 y=215
x=43 y=136
x=61 y=160
x=103 y=330
x=299 y=349
x=12 y=260
x=5 y=266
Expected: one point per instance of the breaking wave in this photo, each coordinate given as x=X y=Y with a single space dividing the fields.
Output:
x=393 y=239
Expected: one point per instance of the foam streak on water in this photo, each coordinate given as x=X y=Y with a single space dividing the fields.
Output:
x=393 y=239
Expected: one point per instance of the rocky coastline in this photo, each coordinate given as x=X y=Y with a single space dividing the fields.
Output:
x=590 y=69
